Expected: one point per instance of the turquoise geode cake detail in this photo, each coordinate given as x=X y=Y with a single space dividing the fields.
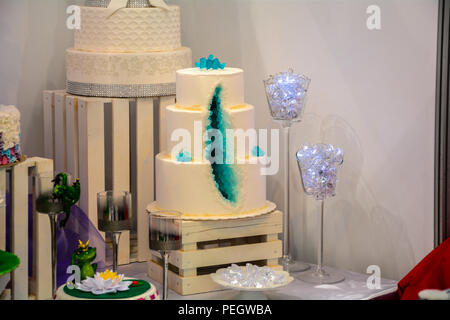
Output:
x=210 y=64
x=223 y=174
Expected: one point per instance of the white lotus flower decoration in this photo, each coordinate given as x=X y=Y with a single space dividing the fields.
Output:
x=105 y=282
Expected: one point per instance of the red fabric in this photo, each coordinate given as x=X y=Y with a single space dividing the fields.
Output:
x=433 y=272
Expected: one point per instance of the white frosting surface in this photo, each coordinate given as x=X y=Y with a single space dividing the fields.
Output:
x=129 y=30
x=196 y=86
x=9 y=126
x=126 y=68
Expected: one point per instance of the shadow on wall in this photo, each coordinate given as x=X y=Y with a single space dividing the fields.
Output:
x=359 y=232
x=46 y=36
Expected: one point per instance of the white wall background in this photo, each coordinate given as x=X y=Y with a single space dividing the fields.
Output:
x=372 y=94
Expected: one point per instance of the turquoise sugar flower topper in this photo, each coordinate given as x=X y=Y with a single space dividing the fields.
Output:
x=210 y=63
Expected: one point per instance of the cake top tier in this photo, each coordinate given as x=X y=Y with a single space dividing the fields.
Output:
x=129 y=30
x=196 y=86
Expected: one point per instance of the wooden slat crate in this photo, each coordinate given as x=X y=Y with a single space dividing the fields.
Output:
x=39 y=286
x=211 y=245
x=90 y=138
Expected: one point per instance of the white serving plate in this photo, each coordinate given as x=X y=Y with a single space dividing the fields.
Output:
x=217 y=277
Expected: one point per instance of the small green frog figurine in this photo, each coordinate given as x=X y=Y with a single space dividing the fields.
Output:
x=83 y=257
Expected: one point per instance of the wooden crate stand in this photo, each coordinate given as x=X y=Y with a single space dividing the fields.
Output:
x=211 y=245
x=39 y=286
x=75 y=139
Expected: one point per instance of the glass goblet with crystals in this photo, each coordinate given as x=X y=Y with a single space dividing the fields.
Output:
x=318 y=167
x=286 y=94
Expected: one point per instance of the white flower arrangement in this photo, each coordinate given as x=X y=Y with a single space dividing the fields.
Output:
x=105 y=282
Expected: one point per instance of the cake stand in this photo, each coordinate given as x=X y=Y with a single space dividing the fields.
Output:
x=247 y=293
x=267 y=208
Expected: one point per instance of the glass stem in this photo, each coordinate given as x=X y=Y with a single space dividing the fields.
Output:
x=286 y=236
x=165 y=258
x=115 y=238
x=320 y=247
x=53 y=226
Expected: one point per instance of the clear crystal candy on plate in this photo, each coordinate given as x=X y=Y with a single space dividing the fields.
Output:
x=252 y=276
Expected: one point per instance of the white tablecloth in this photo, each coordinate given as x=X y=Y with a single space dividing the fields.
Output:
x=353 y=288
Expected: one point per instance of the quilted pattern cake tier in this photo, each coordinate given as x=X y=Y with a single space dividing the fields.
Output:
x=129 y=30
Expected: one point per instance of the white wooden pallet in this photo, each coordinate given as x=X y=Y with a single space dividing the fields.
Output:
x=210 y=245
x=75 y=139
x=40 y=285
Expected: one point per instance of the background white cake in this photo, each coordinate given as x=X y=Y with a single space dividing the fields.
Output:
x=189 y=185
x=10 y=150
x=134 y=52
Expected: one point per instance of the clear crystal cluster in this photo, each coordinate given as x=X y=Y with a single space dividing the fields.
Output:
x=318 y=166
x=286 y=93
x=252 y=276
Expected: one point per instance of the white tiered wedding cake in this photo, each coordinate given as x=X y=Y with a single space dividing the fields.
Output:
x=132 y=51
x=188 y=180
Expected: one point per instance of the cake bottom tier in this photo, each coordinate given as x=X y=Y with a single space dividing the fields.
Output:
x=191 y=188
x=146 y=74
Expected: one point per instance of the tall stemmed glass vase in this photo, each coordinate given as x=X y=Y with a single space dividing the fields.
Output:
x=286 y=94
x=318 y=168
x=165 y=236
x=48 y=203
x=114 y=216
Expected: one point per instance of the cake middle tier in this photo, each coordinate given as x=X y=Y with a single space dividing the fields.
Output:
x=185 y=129
x=195 y=188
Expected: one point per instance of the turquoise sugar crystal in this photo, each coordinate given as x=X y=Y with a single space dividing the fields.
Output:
x=258 y=152
x=210 y=64
x=184 y=156
x=223 y=174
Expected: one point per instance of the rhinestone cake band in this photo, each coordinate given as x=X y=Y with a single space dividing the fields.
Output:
x=131 y=3
x=121 y=90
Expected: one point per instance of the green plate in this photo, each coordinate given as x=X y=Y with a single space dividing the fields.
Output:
x=142 y=288
x=8 y=262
